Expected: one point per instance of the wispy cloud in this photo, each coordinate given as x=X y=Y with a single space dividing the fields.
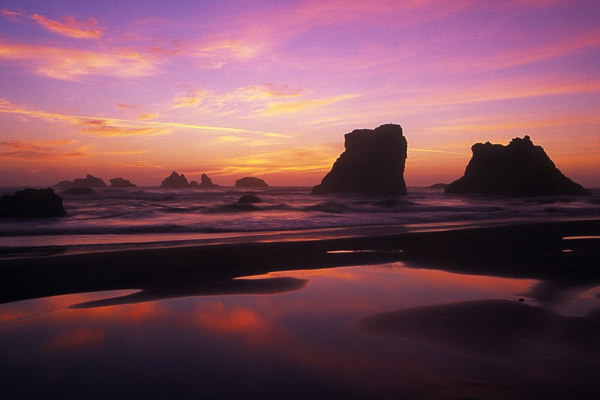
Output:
x=295 y=106
x=71 y=64
x=123 y=127
x=39 y=150
x=69 y=26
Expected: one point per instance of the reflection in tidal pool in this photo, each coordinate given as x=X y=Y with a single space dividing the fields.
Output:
x=357 y=332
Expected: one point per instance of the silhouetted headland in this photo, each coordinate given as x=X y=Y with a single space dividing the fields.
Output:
x=251 y=182
x=373 y=163
x=32 y=203
x=518 y=169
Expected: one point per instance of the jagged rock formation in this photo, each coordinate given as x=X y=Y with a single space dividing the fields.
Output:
x=32 y=203
x=194 y=184
x=206 y=182
x=121 y=183
x=373 y=163
x=175 y=181
x=518 y=169
x=88 y=181
x=250 y=182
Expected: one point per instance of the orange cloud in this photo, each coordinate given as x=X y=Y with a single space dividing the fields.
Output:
x=40 y=150
x=71 y=64
x=295 y=106
x=70 y=26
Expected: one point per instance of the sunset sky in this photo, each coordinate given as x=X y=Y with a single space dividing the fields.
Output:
x=269 y=88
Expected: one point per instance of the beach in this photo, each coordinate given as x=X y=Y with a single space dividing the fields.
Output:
x=485 y=310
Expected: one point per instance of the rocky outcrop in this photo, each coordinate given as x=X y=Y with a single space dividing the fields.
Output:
x=206 y=182
x=32 y=203
x=89 y=181
x=373 y=163
x=249 y=199
x=251 y=182
x=518 y=169
x=175 y=181
x=121 y=183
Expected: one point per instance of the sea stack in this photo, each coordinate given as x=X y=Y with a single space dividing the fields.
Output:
x=518 y=169
x=251 y=182
x=373 y=163
x=175 y=181
x=206 y=182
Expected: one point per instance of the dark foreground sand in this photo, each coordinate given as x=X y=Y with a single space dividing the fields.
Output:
x=537 y=251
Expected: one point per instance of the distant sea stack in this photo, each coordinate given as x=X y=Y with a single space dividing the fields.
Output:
x=89 y=181
x=206 y=182
x=121 y=183
x=251 y=182
x=175 y=181
x=32 y=203
x=518 y=169
x=373 y=163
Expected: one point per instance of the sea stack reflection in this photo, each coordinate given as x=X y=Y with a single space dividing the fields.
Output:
x=373 y=163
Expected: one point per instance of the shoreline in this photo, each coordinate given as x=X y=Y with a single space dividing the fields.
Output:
x=525 y=250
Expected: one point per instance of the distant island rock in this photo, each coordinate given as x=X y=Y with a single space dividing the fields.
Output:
x=251 y=182
x=373 y=163
x=80 y=191
x=121 y=183
x=89 y=181
x=438 y=186
x=175 y=181
x=518 y=169
x=32 y=203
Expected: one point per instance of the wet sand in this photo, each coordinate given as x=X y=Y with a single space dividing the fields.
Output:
x=534 y=250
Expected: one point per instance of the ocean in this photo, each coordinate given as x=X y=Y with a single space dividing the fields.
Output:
x=155 y=216
x=507 y=312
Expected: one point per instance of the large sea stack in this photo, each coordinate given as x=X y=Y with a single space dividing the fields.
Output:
x=518 y=169
x=373 y=163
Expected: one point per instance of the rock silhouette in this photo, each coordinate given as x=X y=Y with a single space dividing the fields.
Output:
x=89 y=181
x=250 y=182
x=373 y=163
x=518 y=169
x=121 y=183
x=32 y=203
x=249 y=199
x=206 y=182
x=175 y=181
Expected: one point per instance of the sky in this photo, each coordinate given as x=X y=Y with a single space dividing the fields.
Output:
x=269 y=88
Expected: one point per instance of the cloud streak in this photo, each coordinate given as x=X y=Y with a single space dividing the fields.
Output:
x=69 y=27
x=122 y=127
